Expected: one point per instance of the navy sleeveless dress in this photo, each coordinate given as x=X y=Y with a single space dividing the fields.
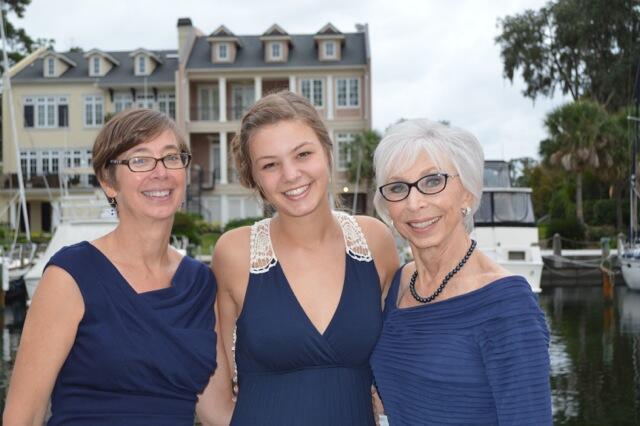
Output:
x=289 y=373
x=138 y=359
x=480 y=358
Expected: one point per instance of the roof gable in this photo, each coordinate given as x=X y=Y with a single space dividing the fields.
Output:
x=98 y=52
x=59 y=56
x=149 y=53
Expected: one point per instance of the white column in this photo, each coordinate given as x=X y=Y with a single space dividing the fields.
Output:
x=257 y=85
x=13 y=217
x=223 y=159
x=329 y=97
x=292 y=83
x=224 y=207
x=222 y=104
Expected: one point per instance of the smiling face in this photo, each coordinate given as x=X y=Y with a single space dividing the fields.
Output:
x=429 y=221
x=290 y=167
x=155 y=194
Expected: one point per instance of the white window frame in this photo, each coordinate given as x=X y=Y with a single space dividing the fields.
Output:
x=351 y=100
x=46 y=107
x=224 y=57
x=96 y=65
x=145 y=100
x=343 y=142
x=209 y=109
x=309 y=88
x=279 y=55
x=141 y=64
x=246 y=93
x=93 y=113
x=122 y=101
x=51 y=66
x=333 y=54
x=167 y=103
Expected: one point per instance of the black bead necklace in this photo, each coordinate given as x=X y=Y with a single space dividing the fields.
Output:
x=412 y=282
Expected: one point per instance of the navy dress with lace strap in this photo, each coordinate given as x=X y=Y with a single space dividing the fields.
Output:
x=288 y=372
x=138 y=358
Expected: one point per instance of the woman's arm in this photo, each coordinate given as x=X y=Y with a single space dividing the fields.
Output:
x=47 y=337
x=215 y=404
x=383 y=249
x=230 y=263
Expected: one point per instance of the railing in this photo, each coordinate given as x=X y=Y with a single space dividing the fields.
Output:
x=201 y=113
x=50 y=181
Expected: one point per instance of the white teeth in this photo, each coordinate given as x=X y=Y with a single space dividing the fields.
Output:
x=156 y=193
x=296 y=191
x=421 y=225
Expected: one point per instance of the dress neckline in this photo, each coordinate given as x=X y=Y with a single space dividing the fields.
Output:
x=126 y=284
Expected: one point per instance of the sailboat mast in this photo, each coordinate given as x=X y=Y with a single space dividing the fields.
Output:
x=12 y=119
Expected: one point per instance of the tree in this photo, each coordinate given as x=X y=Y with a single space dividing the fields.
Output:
x=361 y=165
x=582 y=47
x=577 y=142
x=19 y=43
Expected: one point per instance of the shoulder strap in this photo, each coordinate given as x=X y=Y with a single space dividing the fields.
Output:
x=354 y=239
x=262 y=255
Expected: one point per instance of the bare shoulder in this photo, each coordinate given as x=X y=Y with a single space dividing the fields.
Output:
x=231 y=253
x=377 y=234
x=58 y=294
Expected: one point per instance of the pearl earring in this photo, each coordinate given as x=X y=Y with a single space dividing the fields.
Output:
x=465 y=211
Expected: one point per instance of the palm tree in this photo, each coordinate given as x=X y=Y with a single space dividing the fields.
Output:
x=577 y=142
x=361 y=166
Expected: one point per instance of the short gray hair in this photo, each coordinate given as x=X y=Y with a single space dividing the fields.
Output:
x=405 y=141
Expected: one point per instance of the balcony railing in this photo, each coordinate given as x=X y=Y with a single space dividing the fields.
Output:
x=204 y=114
x=50 y=181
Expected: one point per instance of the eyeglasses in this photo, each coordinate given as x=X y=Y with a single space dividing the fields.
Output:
x=146 y=164
x=428 y=185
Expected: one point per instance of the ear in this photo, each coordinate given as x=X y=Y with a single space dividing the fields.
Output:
x=109 y=189
x=467 y=199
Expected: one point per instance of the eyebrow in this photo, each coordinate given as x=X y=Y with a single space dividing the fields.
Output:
x=267 y=157
x=145 y=150
x=423 y=173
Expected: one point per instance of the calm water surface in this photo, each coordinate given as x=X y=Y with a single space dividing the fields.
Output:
x=595 y=355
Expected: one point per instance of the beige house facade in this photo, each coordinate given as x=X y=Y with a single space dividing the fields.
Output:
x=206 y=85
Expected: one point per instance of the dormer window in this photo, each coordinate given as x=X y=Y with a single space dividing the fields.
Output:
x=276 y=51
x=330 y=49
x=142 y=65
x=51 y=67
x=223 y=51
x=96 y=65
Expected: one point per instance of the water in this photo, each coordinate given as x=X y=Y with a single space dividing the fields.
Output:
x=595 y=355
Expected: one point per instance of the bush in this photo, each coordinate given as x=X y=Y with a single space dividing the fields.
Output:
x=600 y=212
x=237 y=223
x=568 y=228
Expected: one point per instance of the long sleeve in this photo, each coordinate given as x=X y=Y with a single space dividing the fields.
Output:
x=514 y=347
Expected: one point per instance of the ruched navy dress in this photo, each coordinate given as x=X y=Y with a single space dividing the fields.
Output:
x=138 y=358
x=480 y=358
x=288 y=372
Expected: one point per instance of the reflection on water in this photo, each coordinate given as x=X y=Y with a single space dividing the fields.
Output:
x=594 y=348
x=595 y=356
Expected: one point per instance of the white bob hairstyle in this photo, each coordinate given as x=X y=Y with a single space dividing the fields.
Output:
x=405 y=141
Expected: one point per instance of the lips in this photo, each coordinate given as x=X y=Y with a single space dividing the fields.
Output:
x=297 y=192
x=424 y=224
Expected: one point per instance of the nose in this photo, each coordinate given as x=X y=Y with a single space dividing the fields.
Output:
x=160 y=170
x=290 y=171
x=416 y=200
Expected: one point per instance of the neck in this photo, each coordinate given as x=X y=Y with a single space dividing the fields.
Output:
x=141 y=243
x=433 y=263
x=305 y=231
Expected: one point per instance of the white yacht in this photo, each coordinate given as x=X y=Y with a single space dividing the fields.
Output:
x=505 y=226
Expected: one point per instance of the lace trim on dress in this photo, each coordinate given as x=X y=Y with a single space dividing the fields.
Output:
x=354 y=240
x=263 y=257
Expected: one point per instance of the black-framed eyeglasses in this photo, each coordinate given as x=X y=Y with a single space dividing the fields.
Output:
x=146 y=164
x=428 y=185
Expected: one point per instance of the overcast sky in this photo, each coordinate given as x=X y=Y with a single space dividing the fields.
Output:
x=430 y=58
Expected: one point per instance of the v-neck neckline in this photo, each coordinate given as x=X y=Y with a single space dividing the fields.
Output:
x=128 y=285
x=304 y=313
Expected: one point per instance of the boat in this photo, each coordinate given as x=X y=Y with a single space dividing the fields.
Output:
x=505 y=226
x=629 y=251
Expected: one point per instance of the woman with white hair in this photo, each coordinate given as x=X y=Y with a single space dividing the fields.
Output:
x=463 y=340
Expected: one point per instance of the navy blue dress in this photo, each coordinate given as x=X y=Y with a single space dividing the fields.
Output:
x=288 y=372
x=479 y=358
x=138 y=359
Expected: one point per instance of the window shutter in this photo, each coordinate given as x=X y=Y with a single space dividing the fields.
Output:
x=28 y=116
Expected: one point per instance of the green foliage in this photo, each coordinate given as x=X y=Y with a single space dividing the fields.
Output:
x=560 y=205
x=19 y=42
x=361 y=165
x=237 y=223
x=581 y=47
x=568 y=227
x=193 y=227
x=600 y=212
